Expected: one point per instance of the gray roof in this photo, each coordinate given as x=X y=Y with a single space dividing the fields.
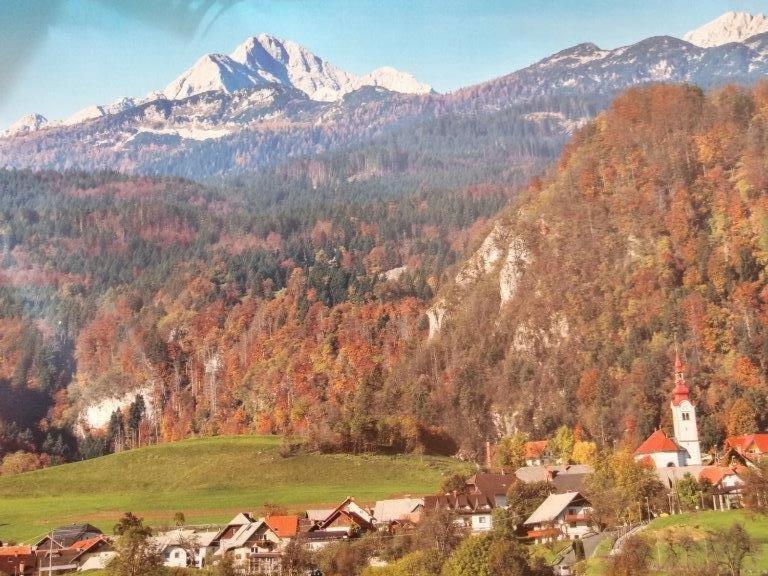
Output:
x=530 y=474
x=673 y=474
x=396 y=509
x=551 y=507
x=319 y=515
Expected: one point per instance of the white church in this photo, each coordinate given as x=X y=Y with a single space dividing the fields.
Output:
x=682 y=450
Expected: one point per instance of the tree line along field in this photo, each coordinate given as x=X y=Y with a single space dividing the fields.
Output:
x=209 y=480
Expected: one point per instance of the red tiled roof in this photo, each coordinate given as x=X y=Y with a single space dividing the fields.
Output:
x=745 y=442
x=87 y=544
x=536 y=448
x=15 y=550
x=544 y=533
x=736 y=441
x=283 y=526
x=715 y=474
x=657 y=442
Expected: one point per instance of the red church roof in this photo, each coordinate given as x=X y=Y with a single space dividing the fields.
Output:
x=657 y=442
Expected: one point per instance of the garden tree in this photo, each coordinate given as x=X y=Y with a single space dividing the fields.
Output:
x=619 y=487
x=227 y=566
x=507 y=557
x=439 y=532
x=179 y=519
x=456 y=482
x=510 y=451
x=584 y=452
x=634 y=558
x=471 y=558
x=730 y=547
x=296 y=560
x=129 y=521
x=503 y=523
x=562 y=444
x=688 y=491
x=755 y=489
x=523 y=498
x=342 y=558
x=137 y=554
x=491 y=555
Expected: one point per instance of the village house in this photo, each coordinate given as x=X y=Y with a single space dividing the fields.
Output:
x=258 y=546
x=184 y=547
x=17 y=560
x=536 y=453
x=65 y=536
x=473 y=510
x=726 y=482
x=94 y=551
x=347 y=520
x=751 y=446
x=560 y=516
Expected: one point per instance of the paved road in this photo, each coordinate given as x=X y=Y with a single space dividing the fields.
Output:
x=590 y=545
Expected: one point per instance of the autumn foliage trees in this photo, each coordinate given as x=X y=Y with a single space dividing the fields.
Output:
x=299 y=308
x=270 y=307
x=650 y=231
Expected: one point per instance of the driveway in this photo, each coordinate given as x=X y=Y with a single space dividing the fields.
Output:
x=590 y=545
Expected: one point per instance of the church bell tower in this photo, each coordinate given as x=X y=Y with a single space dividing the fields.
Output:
x=684 y=417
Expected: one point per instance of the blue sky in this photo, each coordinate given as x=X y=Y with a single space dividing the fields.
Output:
x=72 y=53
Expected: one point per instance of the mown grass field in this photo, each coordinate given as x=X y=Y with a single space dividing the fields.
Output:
x=208 y=480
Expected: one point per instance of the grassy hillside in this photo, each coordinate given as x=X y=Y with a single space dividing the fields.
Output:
x=696 y=526
x=207 y=479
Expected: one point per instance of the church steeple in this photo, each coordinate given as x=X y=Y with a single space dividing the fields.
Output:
x=684 y=416
x=680 y=392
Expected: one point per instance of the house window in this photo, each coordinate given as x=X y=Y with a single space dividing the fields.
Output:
x=177 y=554
x=481 y=520
x=686 y=416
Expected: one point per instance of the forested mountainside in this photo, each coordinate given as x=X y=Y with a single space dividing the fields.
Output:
x=651 y=231
x=263 y=307
x=309 y=313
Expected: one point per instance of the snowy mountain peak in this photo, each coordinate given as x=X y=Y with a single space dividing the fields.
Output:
x=395 y=81
x=265 y=59
x=26 y=124
x=730 y=27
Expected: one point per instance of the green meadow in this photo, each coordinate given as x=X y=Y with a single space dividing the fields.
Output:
x=209 y=480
